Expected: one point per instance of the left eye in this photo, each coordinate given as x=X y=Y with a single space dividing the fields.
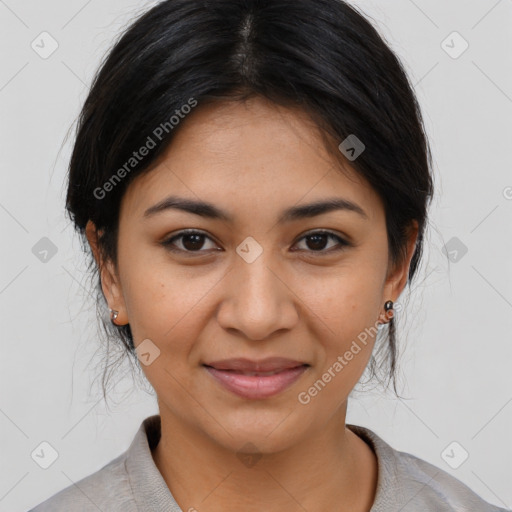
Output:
x=317 y=240
x=192 y=241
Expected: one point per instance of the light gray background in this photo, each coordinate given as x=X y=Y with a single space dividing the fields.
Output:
x=455 y=330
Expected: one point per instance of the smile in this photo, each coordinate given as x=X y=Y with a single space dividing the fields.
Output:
x=256 y=384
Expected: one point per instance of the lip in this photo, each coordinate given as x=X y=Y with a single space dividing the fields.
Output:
x=230 y=374
x=269 y=364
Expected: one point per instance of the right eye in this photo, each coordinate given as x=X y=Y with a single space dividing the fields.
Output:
x=191 y=241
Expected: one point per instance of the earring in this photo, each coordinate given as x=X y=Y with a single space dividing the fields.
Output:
x=113 y=316
x=388 y=308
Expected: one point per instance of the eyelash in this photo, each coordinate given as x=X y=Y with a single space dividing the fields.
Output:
x=168 y=244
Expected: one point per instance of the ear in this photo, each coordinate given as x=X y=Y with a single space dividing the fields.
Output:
x=398 y=275
x=110 y=283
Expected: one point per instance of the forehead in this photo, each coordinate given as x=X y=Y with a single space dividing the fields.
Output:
x=249 y=156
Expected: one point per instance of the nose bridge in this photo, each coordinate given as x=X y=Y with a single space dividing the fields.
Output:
x=258 y=303
x=258 y=290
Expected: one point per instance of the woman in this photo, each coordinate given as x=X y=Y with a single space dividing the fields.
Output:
x=253 y=180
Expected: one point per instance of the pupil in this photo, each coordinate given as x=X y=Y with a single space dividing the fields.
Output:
x=196 y=239
x=315 y=241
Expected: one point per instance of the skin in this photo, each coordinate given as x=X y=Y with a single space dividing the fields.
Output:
x=253 y=160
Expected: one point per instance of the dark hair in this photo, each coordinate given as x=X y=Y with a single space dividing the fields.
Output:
x=321 y=56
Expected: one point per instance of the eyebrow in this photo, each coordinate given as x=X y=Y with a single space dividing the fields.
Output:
x=208 y=210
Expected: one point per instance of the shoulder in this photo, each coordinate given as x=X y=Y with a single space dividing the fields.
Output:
x=129 y=483
x=106 y=489
x=408 y=483
x=437 y=487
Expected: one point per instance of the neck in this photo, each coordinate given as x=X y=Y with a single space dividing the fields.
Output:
x=332 y=469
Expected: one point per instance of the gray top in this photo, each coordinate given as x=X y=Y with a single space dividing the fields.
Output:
x=132 y=482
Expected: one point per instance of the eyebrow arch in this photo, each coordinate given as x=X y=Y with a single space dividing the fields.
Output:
x=208 y=210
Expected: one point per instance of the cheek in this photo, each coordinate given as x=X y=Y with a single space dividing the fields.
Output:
x=345 y=310
x=345 y=303
x=167 y=312
x=346 y=332
x=164 y=304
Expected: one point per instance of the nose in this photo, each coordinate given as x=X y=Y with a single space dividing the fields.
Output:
x=258 y=300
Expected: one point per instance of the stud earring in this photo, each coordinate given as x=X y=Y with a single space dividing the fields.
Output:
x=388 y=308
x=113 y=316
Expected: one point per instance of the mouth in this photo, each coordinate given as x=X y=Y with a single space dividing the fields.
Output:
x=268 y=365
x=251 y=374
x=256 y=379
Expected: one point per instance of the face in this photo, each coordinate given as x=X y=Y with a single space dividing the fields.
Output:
x=253 y=282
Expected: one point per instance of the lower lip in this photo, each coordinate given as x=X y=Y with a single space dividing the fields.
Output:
x=255 y=386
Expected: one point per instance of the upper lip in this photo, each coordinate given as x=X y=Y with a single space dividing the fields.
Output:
x=264 y=365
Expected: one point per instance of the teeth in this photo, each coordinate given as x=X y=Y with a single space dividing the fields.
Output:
x=254 y=374
x=261 y=374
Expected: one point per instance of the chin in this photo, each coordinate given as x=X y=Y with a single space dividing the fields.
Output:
x=257 y=430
